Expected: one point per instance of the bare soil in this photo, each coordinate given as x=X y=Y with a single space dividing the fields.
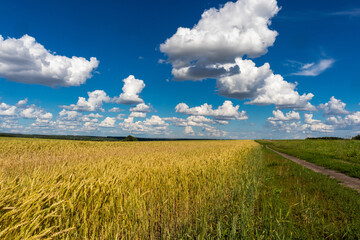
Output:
x=343 y=179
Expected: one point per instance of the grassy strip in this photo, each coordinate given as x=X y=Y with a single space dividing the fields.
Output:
x=295 y=202
x=339 y=155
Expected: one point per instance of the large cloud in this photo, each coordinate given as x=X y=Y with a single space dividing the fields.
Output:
x=235 y=30
x=215 y=48
x=131 y=90
x=26 y=61
x=225 y=112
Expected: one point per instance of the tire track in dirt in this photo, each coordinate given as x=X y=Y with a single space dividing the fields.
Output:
x=343 y=179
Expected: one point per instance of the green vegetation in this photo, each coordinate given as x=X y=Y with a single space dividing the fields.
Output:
x=130 y=139
x=296 y=203
x=325 y=138
x=339 y=155
x=56 y=189
x=357 y=137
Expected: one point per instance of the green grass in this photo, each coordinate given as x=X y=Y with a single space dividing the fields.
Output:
x=295 y=202
x=339 y=155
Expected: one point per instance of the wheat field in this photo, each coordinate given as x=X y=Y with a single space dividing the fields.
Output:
x=57 y=189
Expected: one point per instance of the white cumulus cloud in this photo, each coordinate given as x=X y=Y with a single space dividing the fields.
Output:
x=189 y=130
x=225 y=112
x=131 y=90
x=237 y=29
x=350 y=121
x=26 y=61
x=33 y=113
x=94 y=102
x=114 y=109
x=262 y=86
x=108 y=122
x=138 y=114
x=334 y=107
x=22 y=102
x=280 y=116
x=7 y=110
x=142 y=107
x=316 y=125
x=215 y=48
x=153 y=125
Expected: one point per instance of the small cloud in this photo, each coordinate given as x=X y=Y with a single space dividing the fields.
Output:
x=225 y=112
x=189 y=130
x=138 y=114
x=141 y=107
x=141 y=57
x=307 y=66
x=22 y=102
x=161 y=61
x=120 y=116
x=280 y=116
x=114 y=109
x=355 y=12
x=315 y=69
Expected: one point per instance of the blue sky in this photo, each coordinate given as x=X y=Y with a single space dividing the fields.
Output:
x=245 y=69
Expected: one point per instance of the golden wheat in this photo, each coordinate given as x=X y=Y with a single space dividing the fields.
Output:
x=60 y=189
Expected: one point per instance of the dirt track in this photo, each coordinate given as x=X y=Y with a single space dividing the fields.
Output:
x=345 y=180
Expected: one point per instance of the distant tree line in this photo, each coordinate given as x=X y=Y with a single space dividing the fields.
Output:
x=325 y=138
x=93 y=138
x=356 y=137
x=333 y=138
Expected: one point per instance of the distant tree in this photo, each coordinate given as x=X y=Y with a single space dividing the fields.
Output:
x=356 y=137
x=325 y=138
x=130 y=138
